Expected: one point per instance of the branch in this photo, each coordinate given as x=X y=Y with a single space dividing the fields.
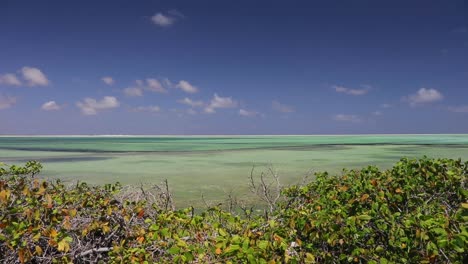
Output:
x=95 y=250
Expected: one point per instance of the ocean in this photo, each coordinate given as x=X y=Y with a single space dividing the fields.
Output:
x=214 y=166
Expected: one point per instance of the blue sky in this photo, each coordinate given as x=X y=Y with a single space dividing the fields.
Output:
x=233 y=67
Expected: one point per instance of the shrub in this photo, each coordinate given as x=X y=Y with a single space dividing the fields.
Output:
x=416 y=212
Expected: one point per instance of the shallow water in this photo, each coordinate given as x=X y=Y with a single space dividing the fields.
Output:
x=217 y=165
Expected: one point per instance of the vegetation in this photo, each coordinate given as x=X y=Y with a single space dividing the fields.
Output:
x=416 y=212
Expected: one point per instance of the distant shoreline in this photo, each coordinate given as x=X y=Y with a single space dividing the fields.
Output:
x=230 y=135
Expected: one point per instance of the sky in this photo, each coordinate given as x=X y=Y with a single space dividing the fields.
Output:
x=233 y=67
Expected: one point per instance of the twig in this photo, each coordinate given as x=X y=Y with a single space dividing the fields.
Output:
x=95 y=250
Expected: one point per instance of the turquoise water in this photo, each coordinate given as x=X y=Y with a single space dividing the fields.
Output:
x=217 y=165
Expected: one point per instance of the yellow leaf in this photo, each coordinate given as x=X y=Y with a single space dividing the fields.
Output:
x=53 y=233
x=309 y=258
x=4 y=195
x=140 y=239
x=66 y=222
x=464 y=205
x=343 y=188
x=72 y=212
x=48 y=199
x=38 y=250
x=63 y=246
x=41 y=190
x=25 y=191
x=36 y=237
x=364 y=197
x=105 y=229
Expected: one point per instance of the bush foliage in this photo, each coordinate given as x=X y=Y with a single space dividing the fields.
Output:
x=416 y=212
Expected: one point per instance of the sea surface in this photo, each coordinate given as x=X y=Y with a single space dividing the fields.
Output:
x=214 y=166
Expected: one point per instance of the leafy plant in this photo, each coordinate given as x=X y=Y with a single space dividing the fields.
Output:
x=416 y=212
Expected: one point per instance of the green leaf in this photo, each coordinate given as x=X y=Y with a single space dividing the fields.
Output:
x=262 y=244
x=174 y=250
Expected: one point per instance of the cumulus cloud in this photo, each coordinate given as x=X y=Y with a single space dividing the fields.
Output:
x=155 y=86
x=150 y=108
x=190 y=102
x=186 y=87
x=347 y=118
x=168 y=83
x=246 y=113
x=9 y=79
x=209 y=110
x=459 y=109
x=50 y=106
x=108 y=80
x=220 y=102
x=34 y=76
x=133 y=91
x=166 y=19
x=150 y=84
x=341 y=89
x=162 y=20
x=277 y=106
x=6 y=101
x=91 y=106
x=423 y=96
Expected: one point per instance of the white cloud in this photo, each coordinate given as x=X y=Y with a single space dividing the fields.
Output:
x=155 y=85
x=190 y=102
x=166 y=20
x=168 y=83
x=209 y=110
x=459 y=109
x=34 y=76
x=244 y=112
x=50 y=106
x=91 y=106
x=108 y=80
x=162 y=20
x=6 y=101
x=150 y=108
x=341 y=89
x=9 y=79
x=133 y=91
x=423 y=96
x=347 y=118
x=186 y=87
x=222 y=102
x=277 y=106
x=377 y=113
x=151 y=84
x=219 y=102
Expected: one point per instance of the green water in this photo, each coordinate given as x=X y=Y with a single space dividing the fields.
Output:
x=216 y=165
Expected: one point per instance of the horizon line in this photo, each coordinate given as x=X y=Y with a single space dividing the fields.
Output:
x=221 y=135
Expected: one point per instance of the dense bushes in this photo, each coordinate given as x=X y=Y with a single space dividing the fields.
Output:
x=415 y=212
